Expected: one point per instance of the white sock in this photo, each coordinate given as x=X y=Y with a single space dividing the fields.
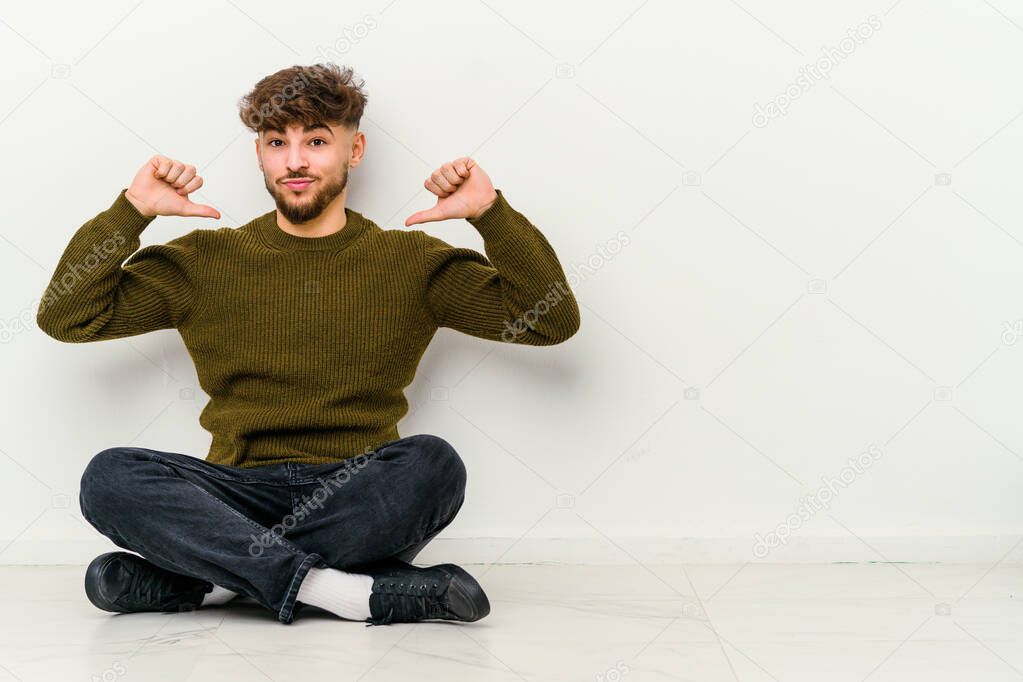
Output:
x=219 y=595
x=343 y=594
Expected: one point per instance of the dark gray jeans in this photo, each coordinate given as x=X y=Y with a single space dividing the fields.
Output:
x=257 y=531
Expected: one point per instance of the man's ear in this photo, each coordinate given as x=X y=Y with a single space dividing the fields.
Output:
x=259 y=155
x=358 y=149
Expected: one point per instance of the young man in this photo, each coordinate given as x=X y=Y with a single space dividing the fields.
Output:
x=305 y=325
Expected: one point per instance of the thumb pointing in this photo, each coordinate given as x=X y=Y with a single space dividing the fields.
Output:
x=426 y=216
x=201 y=211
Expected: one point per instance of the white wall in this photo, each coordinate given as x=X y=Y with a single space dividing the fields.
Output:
x=795 y=290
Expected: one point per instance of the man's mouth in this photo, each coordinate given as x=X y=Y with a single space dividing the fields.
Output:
x=298 y=184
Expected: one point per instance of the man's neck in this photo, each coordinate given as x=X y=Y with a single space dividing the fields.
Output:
x=332 y=219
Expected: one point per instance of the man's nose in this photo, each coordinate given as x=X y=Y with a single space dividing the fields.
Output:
x=296 y=159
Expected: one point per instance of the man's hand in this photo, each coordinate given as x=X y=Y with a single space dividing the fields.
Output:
x=162 y=186
x=463 y=189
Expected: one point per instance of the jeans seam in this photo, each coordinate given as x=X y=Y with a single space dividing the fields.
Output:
x=211 y=472
x=285 y=614
x=345 y=464
x=284 y=543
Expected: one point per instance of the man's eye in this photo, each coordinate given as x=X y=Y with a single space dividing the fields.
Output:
x=318 y=139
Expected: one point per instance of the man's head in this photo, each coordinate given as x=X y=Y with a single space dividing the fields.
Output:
x=306 y=119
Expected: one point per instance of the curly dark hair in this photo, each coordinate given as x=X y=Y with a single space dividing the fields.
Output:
x=304 y=95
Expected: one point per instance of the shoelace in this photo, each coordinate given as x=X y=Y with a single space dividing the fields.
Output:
x=142 y=586
x=408 y=602
x=150 y=588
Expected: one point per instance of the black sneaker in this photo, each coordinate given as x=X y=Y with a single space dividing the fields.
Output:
x=403 y=593
x=126 y=583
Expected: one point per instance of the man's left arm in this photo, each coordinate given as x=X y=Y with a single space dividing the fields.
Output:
x=518 y=292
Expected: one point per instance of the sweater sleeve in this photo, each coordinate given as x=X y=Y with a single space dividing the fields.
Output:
x=517 y=293
x=92 y=297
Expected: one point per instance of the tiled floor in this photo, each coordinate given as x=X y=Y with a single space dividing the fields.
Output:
x=629 y=623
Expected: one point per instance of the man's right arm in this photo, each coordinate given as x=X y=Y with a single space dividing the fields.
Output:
x=92 y=297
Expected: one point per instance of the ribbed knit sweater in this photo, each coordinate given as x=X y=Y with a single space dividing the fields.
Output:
x=306 y=344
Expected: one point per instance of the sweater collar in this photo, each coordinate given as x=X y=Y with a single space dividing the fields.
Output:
x=268 y=230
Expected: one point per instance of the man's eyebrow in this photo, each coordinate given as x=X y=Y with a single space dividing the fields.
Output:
x=318 y=126
x=306 y=129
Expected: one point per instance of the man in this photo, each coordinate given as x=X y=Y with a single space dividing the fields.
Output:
x=305 y=325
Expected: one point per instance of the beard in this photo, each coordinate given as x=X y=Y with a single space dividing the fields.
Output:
x=300 y=208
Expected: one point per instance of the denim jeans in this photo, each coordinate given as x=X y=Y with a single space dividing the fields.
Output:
x=258 y=530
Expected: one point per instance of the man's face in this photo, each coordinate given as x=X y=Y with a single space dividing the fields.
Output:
x=319 y=155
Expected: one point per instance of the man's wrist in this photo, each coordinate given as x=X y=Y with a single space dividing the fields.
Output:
x=485 y=208
x=139 y=206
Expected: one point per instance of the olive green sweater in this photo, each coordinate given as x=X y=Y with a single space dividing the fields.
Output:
x=306 y=344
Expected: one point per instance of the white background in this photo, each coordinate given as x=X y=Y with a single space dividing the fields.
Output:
x=846 y=276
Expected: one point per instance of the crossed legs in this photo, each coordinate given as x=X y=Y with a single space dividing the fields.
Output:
x=258 y=531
